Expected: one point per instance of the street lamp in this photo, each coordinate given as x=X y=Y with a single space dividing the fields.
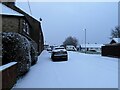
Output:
x=85 y=40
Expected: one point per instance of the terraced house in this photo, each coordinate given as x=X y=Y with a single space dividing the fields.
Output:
x=16 y=20
x=21 y=41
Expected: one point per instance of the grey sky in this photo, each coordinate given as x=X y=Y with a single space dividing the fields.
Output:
x=61 y=20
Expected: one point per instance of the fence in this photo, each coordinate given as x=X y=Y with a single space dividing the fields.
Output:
x=111 y=50
x=9 y=75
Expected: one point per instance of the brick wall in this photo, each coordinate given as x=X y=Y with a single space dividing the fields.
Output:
x=36 y=31
x=10 y=24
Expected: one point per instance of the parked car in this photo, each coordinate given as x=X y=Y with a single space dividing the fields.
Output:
x=71 y=48
x=92 y=50
x=59 y=54
x=49 y=49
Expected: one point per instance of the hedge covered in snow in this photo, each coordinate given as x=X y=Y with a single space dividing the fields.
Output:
x=34 y=53
x=16 y=48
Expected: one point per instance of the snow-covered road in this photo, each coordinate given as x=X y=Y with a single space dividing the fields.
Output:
x=80 y=71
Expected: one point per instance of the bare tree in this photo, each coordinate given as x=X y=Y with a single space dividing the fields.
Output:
x=115 y=33
x=70 y=41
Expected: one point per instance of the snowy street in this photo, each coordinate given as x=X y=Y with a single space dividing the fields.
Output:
x=80 y=71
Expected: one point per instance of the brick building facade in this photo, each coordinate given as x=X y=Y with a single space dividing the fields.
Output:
x=23 y=24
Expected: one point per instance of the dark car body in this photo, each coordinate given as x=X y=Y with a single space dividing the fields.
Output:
x=59 y=54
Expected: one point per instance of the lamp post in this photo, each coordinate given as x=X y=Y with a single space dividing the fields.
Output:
x=85 y=40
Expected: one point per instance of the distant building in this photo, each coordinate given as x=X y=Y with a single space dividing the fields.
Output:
x=96 y=47
x=112 y=49
x=115 y=40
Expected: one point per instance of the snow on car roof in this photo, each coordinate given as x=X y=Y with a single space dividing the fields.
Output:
x=70 y=46
x=57 y=47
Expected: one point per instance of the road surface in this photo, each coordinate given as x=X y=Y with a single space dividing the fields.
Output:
x=80 y=71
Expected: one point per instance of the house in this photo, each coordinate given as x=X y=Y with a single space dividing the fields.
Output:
x=96 y=47
x=16 y=20
x=112 y=49
x=115 y=40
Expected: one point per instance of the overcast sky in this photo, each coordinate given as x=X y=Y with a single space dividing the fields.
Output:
x=60 y=20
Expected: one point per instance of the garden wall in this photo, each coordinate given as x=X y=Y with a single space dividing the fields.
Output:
x=9 y=75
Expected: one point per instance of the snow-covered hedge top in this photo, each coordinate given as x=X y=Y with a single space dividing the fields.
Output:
x=7 y=65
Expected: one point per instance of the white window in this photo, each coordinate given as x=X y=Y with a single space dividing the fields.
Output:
x=26 y=27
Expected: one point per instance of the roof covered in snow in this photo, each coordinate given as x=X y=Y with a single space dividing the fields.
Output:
x=8 y=11
x=9 y=0
x=117 y=40
x=92 y=45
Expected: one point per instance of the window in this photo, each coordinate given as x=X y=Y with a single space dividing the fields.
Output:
x=26 y=27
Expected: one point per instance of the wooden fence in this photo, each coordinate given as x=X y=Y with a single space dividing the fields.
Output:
x=111 y=50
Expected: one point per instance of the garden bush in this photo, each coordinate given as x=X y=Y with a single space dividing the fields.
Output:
x=16 y=47
x=34 y=53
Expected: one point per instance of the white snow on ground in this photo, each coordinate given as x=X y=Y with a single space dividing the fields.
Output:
x=80 y=71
